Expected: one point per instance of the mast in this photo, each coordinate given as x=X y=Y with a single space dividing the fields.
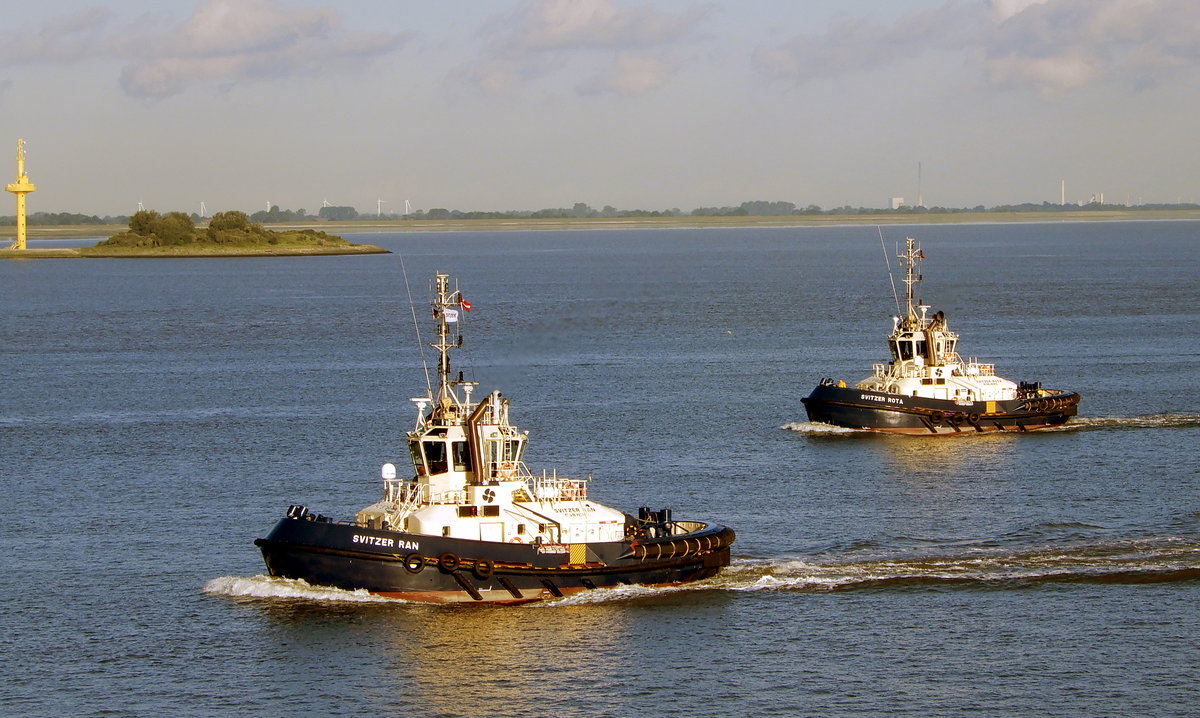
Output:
x=446 y=307
x=911 y=260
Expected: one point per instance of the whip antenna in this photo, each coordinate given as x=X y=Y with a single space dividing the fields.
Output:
x=887 y=261
x=416 y=326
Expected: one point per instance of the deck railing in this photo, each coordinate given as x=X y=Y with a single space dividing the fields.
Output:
x=407 y=494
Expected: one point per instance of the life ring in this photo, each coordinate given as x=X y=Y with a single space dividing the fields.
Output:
x=507 y=470
x=937 y=417
x=516 y=539
x=449 y=562
x=483 y=568
x=413 y=563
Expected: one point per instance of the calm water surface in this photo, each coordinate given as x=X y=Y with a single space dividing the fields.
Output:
x=157 y=416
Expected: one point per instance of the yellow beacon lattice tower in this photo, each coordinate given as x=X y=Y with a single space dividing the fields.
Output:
x=21 y=188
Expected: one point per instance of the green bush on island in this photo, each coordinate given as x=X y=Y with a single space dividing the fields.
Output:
x=149 y=229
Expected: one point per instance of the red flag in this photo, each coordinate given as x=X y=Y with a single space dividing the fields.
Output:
x=465 y=304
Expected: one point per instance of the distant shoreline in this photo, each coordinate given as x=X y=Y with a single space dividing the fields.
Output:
x=179 y=253
x=365 y=226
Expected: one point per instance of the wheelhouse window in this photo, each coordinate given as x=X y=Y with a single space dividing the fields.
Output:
x=435 y=456
x=461 y=455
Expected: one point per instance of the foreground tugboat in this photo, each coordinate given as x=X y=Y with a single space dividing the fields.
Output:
x=474 y=525
x=926 y=389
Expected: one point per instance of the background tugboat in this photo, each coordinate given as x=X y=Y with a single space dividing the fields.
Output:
x=927 y=389
x=473 y=524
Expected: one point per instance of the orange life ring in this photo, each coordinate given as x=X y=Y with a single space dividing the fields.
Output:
x=506 y=470
x=516 y=539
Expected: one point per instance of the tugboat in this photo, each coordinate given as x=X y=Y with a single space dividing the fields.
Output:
x=474 y=525
x=928 y=390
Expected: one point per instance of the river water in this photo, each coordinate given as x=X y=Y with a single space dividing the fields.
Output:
x=159 y=415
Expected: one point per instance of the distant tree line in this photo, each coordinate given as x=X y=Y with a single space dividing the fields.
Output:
x=61 y=218
x=757 y=208
x=761 y=208
x=329 y=213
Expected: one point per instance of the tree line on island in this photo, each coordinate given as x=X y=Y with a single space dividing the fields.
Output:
x=149 y=229
x=580 y=210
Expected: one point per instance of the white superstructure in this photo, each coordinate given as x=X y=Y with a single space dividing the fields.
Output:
x=925 y=361
x=470 y=481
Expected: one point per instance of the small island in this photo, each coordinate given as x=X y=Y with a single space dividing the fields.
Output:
x=227 y=234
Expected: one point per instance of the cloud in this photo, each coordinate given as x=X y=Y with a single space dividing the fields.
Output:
x=570 y=24
x=607 y=47
x=69 y=38
x=230 y=41
x=1050 y=46
x=223 y=42
x=630 y=74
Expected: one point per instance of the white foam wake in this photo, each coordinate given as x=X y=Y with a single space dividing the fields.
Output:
x=268 y=587
x=813 y=428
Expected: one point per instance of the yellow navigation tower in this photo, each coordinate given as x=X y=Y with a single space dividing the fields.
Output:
x=21 y=188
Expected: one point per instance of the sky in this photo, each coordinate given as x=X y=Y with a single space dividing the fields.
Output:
x=636 y=104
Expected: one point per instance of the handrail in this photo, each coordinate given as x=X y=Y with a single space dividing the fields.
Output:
x=407 y=495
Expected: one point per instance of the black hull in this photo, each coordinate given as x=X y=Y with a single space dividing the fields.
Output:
x=447 y=570
x=897 y=414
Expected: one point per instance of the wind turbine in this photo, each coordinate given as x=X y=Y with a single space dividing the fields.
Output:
x=379 y=207
x=407 y=207
x=203 y=210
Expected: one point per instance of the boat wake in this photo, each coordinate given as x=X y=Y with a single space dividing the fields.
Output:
x=286 y=588
x=813 y=428
x=1131 y=561
x=1078 y=423
x=1140 y=561
x=1149 y=421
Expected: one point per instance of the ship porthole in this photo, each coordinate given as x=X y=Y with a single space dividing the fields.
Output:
x=448 y=562
x=413 y=563
x=484 y=568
